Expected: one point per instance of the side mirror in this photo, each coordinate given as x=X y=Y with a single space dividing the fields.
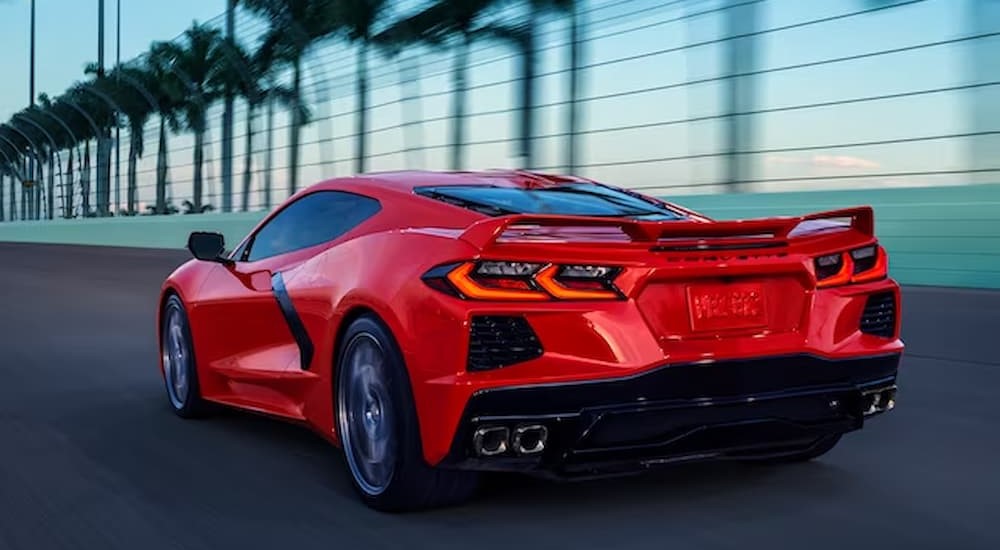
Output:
x=208 y=247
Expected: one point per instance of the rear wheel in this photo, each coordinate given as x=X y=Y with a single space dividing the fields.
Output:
x=378 y=429
x=180 y=373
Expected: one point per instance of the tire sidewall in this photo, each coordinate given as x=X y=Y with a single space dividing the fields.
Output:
x=192 y=402
x=409 y=455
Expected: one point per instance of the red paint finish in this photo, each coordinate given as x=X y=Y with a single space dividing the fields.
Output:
x=683 y=294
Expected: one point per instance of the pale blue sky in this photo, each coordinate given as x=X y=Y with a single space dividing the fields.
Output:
x=67 y=40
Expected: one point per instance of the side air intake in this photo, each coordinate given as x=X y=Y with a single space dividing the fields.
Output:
x=879 y=317
x=501 y=341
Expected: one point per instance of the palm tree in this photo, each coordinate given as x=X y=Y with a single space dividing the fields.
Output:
x=295 y=26
x=94 y=108
x=9 y=159
x=59 y=120
x=98 y=94
x=3 y=176
x=523 y=36
x=167 y=93
x=39 y=150
x=359 y=18
x=576 y=38
x=435 y=25
x=58 y=137
x=252 y=76
x=195 y=84
x=130 y=87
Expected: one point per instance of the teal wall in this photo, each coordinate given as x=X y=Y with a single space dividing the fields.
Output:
x=948 y=236
x=139 y=231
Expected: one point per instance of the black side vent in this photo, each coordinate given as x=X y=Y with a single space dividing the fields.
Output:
x=879 y=317
x=496 y=341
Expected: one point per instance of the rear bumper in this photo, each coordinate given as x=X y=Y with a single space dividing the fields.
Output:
x=727 y=409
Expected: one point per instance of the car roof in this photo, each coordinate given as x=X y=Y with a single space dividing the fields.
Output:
x=407 y=180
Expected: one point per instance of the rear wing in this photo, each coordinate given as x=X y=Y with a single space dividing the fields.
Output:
x=535 y=228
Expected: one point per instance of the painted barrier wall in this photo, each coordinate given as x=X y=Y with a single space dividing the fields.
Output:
x=948 y=236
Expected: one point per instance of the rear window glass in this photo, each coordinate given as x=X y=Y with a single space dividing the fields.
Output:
x=576 y=199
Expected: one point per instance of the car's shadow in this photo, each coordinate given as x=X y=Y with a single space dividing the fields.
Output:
x=677 y=485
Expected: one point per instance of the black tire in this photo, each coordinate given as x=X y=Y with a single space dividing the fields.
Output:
x=412 y=485
x=190 y=404
x=823 y=446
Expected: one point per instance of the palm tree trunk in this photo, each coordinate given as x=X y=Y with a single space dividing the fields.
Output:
x=362 y=80
x=50 y=196
x=61 y=185
x=104 y=172
x=85 y=180
x=409 y=81
x=269 y=155
x=528 y=97
x=248 y=159
x=199 y=160
x=13 y=198
x=458 y=105
x=161 y=169
x=133 y=183
x=296 y=128
x=575 y=55
x=68 y=189
x=24 y=194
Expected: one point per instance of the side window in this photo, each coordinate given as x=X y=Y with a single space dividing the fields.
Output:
x=311 y=220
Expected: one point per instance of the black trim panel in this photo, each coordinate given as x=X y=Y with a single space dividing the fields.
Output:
x=678 y=412
x=699 y=381
x=294 y=321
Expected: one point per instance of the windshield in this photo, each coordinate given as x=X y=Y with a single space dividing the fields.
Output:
x=578 y=199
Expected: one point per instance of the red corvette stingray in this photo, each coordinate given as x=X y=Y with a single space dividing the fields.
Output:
x=439 y=325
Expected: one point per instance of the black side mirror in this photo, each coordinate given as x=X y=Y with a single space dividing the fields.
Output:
x=208 y=247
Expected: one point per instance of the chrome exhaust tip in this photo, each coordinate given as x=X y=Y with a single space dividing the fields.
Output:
x=490 y=440
x=530 y=439
x=879 y=400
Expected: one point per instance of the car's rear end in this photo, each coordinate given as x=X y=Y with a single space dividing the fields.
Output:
x=593 y=345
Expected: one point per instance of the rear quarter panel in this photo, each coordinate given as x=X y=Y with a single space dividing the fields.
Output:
x=378 y=273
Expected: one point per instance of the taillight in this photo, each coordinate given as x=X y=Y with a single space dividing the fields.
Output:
x=860 y=265
x=579 y=282
x=524 y=281
x=496 y=281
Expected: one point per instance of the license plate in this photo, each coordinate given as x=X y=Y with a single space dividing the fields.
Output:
x=726 y=306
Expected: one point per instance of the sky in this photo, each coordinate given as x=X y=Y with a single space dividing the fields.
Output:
x=639 y=139
x=66 y=39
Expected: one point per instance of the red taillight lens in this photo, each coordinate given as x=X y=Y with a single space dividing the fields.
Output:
x=860 y=265
x=513 y=281
x=559 y=280
x=493 y=283
x=871 y=265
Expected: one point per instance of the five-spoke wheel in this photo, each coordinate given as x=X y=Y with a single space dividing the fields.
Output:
x=177 y=353
x=378 y=429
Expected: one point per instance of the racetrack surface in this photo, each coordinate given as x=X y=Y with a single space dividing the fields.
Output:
x=91 y=456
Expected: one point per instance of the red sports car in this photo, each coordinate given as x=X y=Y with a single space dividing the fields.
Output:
x=440 y=325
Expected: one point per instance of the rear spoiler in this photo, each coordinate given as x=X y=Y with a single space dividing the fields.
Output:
x=558 y=228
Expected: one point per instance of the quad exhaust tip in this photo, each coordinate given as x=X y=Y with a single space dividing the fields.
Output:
x=879 y=400
x=530 y=440
x=491 y=440
x=525 y=440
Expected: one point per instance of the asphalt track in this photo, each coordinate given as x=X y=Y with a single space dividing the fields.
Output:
x=91 y=457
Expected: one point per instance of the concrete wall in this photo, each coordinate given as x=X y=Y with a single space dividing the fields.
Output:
x=948 y=236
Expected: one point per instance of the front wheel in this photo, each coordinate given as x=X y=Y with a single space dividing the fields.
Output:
x=378 y=429
x=180 y=373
